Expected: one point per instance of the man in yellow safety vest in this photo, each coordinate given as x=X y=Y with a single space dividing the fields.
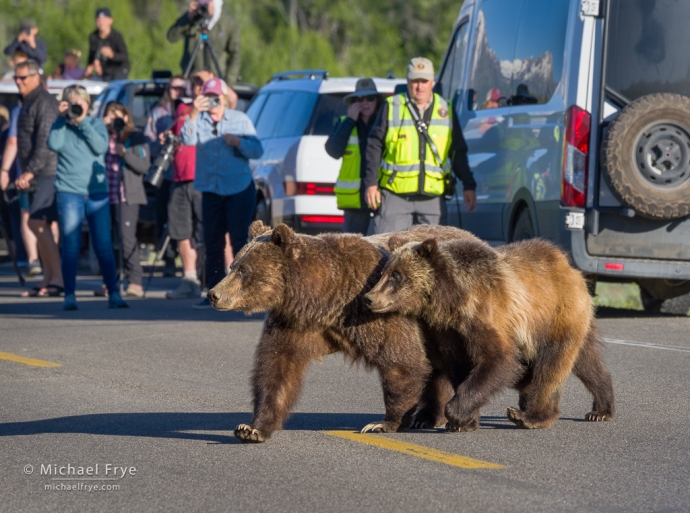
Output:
x=349 y=141
x=413 y=146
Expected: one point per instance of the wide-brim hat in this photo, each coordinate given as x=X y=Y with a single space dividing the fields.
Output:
x=364 y=87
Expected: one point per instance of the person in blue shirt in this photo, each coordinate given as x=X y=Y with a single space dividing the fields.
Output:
x=81 y=142
x=225 y=140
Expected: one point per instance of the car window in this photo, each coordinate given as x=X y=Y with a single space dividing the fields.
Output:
x=493 y=51
x=294 y=119
x=256 y=107
x=329 y=109
x=648 y=47
x=451 y=77
x=539 y=50
x=285 y=114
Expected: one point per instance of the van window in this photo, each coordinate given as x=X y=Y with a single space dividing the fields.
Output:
x=648 y=47
x=494 y=49
x=539 y=51
x=452 y=73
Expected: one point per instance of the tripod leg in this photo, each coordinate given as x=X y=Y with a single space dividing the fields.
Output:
x=192 y=58
x=209 y=48
x=160 y=251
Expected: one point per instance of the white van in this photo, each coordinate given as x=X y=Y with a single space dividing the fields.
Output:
x=577 y=119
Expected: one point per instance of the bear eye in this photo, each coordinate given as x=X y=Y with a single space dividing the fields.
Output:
x=241 y=271
x=396 y=278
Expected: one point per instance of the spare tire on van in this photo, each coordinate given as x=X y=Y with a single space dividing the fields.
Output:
x=646 y=156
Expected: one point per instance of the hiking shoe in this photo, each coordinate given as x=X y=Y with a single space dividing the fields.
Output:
x=205 y=304
x=101 y=291
x=115 y=301
x=186 y=290
x=70 y=302
x=34 y=268
x=134 y=291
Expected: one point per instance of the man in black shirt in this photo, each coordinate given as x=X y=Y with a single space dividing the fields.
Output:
x=107 y=50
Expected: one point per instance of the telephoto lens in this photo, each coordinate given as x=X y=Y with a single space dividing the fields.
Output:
x=74 y=111
x=160 y=166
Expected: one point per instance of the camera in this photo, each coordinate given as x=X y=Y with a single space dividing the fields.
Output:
x=202 y=11
x=118 y=125
x=161 y=164
x=74 y=110
x=213 y=101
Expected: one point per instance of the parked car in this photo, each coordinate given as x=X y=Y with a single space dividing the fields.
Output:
x=577 y=118
x=294 y=113
x=9 y=92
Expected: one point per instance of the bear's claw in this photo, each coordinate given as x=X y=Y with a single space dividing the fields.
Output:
x=380 y=427
x=247 y=434
x=598 y=416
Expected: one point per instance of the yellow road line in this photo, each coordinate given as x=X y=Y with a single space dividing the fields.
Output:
x=27 y=361
x=414 y=450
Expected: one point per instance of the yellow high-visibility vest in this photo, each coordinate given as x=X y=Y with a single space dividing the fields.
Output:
x=349 y=179
x=400 y=164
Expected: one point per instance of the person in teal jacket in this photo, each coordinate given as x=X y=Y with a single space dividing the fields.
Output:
x=81 y=142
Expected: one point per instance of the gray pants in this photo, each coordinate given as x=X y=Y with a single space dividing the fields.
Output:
x=399 y=212
x=357 y=220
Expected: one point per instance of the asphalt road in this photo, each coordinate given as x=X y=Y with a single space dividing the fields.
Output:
x=160 y=387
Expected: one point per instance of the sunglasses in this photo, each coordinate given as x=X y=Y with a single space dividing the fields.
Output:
x=370 y=98
x=178 y=88
x=20 y=78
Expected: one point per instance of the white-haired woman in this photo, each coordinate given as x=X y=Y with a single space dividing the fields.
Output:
x=81 y=142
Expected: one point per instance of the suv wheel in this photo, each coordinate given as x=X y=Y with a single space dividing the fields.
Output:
x=646 y=155
x=523 y=226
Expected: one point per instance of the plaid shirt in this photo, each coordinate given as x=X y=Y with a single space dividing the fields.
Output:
x=113 y=169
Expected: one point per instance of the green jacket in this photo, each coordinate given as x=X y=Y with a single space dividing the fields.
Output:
x=224 y=37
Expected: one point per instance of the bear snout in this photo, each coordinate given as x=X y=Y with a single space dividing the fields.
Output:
x=376 y=303
x=215 y=296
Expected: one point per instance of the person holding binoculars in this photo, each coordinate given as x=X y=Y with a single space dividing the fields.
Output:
x=80 y=142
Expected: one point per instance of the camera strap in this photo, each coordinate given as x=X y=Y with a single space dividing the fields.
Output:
x=423 y=129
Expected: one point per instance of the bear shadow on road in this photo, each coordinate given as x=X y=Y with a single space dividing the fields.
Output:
x=179 y=425
x=196 y=426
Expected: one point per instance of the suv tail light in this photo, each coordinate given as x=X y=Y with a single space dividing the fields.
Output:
x=576 y=157
x=323 y=219
x=313 y=189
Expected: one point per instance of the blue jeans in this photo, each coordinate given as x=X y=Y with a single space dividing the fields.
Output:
x=71 y=210
x=221 y=215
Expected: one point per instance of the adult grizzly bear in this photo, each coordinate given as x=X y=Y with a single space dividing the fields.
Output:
x=313 y=289
x=522 y=316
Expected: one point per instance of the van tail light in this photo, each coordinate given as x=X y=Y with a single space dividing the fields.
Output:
x=314 y=189
x=576 y=157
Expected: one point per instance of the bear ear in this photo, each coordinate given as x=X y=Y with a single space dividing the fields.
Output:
x=282 y=236
x=257 y=229
x=395 y=242
x=428 y=248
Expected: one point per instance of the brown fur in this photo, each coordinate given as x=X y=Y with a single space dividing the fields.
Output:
x=313 y=289
x=520 y=314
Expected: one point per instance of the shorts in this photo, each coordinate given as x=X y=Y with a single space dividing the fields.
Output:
x=184 y=210
x=42 y=200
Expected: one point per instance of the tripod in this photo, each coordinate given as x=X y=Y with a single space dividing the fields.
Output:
x=4 y=232
x=203 y=45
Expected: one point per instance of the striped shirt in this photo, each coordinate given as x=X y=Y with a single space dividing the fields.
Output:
x=113 y=170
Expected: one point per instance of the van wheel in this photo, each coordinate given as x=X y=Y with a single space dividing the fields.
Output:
x=646 y=156
x=675 y=306
x=523 y=229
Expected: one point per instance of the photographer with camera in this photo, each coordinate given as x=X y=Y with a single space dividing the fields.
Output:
x=28 y=42
x=225 y=140
x=80 y=142
x=206 y=17
x=108 y=58
x=126 y=162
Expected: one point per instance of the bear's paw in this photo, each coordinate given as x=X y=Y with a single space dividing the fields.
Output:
x=383 y=426
x=248 y=435
x=598 y=416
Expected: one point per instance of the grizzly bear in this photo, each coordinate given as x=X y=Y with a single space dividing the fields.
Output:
x=521 y=315
x=313 y=288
